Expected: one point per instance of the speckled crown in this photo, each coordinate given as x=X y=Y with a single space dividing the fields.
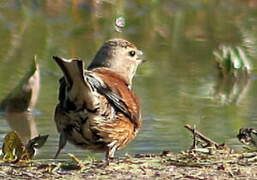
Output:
x=119 y=42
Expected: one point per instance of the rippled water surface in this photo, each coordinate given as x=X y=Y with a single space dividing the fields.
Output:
x=178 y=85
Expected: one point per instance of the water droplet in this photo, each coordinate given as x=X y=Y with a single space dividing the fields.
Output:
x=120 y=23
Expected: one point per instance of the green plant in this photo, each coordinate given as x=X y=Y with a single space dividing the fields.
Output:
x=232 y=62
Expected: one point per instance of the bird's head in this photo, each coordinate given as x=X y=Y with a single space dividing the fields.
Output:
x=120 y=56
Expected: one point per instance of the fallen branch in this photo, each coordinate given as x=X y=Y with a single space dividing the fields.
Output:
x=196 y=133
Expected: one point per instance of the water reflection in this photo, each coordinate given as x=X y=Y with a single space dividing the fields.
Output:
x=230 y=91
x=19 y=103
x=23 y=123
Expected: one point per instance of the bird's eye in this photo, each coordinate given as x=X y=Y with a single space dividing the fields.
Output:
x=132 y=53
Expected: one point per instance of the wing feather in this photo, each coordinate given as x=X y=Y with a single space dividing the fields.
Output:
x=113 y=97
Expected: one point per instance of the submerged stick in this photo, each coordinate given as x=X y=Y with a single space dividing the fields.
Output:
x=194 y=139
x=201 y=136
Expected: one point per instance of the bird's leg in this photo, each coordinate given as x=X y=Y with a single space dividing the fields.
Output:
x=107 y=157
x=62 y=143
x=110 y=154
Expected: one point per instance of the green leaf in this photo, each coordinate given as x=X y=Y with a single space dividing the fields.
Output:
x=12 y=148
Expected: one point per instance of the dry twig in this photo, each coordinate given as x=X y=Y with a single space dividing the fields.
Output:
x=196 y=133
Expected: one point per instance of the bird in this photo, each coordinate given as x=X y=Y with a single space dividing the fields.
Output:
x=98 y=109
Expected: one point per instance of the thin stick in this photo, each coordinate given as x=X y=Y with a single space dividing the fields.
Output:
x=194 y=139
x=201 y=136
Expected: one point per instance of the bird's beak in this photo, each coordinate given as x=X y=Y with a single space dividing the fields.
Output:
x=140 y=56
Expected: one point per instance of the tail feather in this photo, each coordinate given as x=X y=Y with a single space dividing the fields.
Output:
x=72 y=69
x=80 y=91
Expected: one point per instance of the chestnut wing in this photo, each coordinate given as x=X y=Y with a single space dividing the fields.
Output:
x=113 y=97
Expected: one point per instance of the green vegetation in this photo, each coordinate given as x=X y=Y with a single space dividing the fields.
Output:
x=14 y=150
x=232 y=62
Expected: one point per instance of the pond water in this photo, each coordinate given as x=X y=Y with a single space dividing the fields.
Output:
x=178 y=85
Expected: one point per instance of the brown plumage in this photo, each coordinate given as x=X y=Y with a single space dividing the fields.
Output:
x=97 y=109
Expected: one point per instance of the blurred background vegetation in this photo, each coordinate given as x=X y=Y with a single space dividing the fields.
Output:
x=179 y=84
